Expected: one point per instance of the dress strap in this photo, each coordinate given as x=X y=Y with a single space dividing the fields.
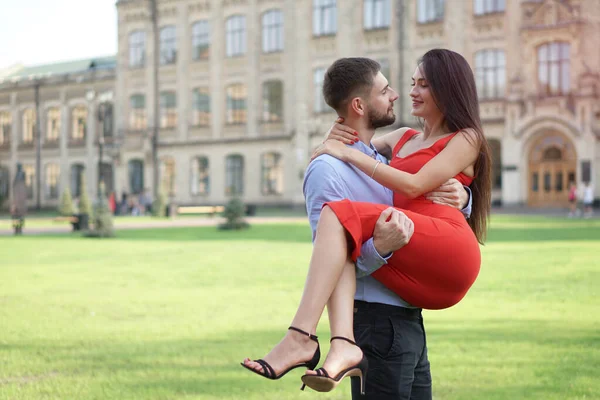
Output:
x=405 y=138
x=440 y=144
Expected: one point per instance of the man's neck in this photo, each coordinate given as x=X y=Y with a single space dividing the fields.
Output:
x=365 y=133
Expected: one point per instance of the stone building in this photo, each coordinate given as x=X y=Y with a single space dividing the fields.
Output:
x=239 y=105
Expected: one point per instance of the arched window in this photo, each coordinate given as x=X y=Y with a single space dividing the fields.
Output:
x=200 y=40
x=319 y=102
x=272 y=31
x=77 y=171
x=272 y=101
x=235 y=36
x=79 y=118
x=52 y=175
x=53 y=124
x=201 y=106
x=490 y=73
x=168 y=45
x=137 y=49
x=136 y=176
x=168 y=110
x=29 y=171
x=137 y=116
x=236 y=104
x=5 y=128
x=4 y=182
x=167 y=172
x=200 y=177
x=234 y=175
x=554 y=77
x=28 y=126
x=272 y=173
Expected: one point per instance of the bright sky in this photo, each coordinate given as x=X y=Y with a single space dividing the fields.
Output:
x=44 y=31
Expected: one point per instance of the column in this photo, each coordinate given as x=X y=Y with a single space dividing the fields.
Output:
x=63 y=141
x=183 y=78
x=14 y=142
x=91 y=166
x=217 y=52
x=253 y=36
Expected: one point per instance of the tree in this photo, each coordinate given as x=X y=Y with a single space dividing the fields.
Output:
x=103 y=219
x=66 y=207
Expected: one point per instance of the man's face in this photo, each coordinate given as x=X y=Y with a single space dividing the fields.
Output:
x=380 y=105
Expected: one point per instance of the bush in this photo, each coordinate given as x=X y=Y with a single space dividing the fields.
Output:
x=234 y=213
x=160 y=204
x=103 y=218
x=85 y=205
x=66 y=207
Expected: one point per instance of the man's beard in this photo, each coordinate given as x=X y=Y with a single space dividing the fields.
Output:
x=379 y=120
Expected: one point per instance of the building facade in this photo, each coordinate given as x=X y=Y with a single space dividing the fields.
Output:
x=237 y=100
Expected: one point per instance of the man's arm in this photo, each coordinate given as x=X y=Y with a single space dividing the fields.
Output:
x=453 y=194
x=323 y=184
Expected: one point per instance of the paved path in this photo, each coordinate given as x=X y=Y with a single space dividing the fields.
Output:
x=5 y=230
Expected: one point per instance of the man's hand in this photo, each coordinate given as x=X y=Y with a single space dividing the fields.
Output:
x=451 y=193
x=393 y=231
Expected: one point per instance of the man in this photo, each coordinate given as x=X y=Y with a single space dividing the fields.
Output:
x=389 y=330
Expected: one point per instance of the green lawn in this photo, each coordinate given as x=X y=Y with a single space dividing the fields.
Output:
x=169 y=313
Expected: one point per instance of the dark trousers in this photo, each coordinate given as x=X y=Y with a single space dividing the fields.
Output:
x=393 y=339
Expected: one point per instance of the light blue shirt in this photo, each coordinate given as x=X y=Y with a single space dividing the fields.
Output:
x=329 y=179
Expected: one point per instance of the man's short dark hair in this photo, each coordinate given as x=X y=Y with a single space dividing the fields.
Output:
x=347 y=78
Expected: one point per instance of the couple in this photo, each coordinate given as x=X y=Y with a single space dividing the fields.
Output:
x=439 y=263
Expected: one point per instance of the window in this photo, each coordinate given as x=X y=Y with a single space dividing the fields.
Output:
x=168 y=175
x=200 y=179
x=136 y=176
x=385 y=68
x=377 y=14
x=137 y=49
x=5 y=127
x=272 y=101
x=319 y=100
x=137 y=116
x=236 y=104
x=52 y=177
x=168 y=45
x=29 y=171
x=234 y=175
x=430 y=11
x=490 y=73
x=488 y=6
x=272 y=31
x=554 y=69
x=201 y=107
x=76 y=178
x=272 y=174
x=168 y=110
x=4 y=182
x=53 y=125
x=235 y=36
x=324 y=17
x=200 y=40
x=79 y=117
x=496 y=150
x=28 y=126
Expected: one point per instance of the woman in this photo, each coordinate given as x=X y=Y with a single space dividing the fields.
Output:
x=19 y=201
x=441 y=261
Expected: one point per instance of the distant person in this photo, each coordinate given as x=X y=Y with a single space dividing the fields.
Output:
x=146 y=202
x=572 y=199
x=588 y=199
x=112 y=202
x=18 y=207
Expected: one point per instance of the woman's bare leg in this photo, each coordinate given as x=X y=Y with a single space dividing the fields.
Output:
x=328 y=262
x=341 y=316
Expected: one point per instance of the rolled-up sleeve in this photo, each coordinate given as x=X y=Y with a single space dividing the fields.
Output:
x=322 y=184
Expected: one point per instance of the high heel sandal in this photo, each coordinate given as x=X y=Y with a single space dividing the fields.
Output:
x=323 y=382
x=268 y=371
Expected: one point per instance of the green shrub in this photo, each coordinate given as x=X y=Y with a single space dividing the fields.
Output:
x=234 y=214
x=66 y=207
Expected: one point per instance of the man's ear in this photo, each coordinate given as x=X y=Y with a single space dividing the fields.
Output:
x=357 y=106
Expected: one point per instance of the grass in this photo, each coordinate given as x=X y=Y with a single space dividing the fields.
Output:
x=168 y=314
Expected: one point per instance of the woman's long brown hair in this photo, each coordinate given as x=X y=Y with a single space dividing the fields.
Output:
x=452 y=85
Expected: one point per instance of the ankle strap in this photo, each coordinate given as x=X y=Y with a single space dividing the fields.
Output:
x=312 y=337
x=343 y=338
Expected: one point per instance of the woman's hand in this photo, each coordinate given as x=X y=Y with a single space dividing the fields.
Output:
x=332 y=147
x=342 y=133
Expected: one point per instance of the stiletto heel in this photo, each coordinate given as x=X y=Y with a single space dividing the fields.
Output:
x=323 y=382
x=268 y=371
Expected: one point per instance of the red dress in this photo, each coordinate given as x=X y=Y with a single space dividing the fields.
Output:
x=440 y=263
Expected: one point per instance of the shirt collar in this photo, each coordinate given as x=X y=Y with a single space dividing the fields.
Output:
x=368 y=150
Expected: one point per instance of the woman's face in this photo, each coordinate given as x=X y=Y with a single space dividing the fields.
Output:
x=423 y=105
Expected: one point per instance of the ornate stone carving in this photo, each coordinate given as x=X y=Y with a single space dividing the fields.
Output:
x=549 y=14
